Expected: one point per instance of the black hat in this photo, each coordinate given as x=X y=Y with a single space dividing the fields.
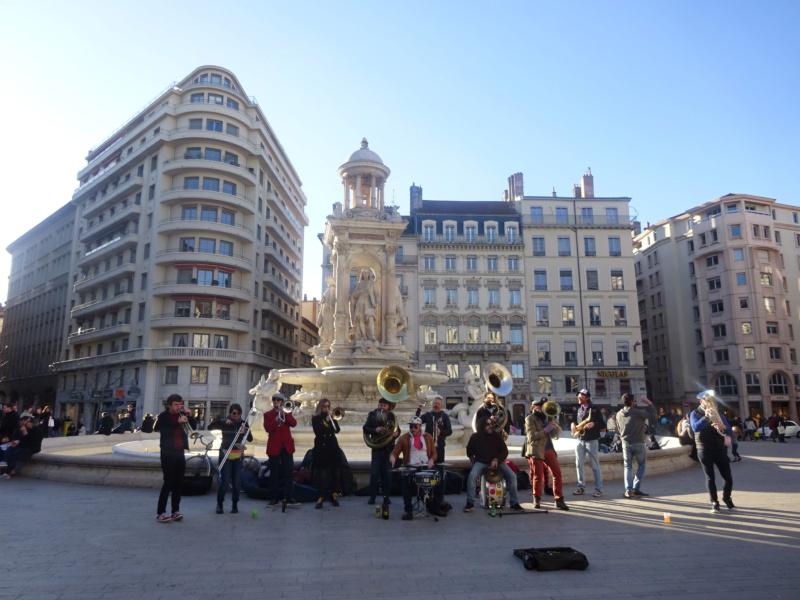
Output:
x=383 y=400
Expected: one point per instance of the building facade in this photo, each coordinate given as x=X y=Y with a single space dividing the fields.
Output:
x=187 y=271
x=719 y=301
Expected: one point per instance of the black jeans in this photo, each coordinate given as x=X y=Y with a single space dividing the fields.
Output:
x=719 y=458
x=173 y=465
x=281 y=469
x=380 y=468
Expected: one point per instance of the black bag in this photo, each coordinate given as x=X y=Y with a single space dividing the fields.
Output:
x=196 y=485
x=523 y=480
x=552 y=559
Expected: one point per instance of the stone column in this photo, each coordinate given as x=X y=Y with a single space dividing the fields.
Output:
x=389 y=284
x=341 y=320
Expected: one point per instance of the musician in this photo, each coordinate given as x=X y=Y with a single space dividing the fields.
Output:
x=232 y=468
x=588 y=442
x=541 y=452
x=711 y=450
x=631 y=423
x=174 y=442
x=280 y=451
x=380 y=466
x=437 y=423
x=489 y=410
x=417 y=448
x=487 y=449
x=326 y=453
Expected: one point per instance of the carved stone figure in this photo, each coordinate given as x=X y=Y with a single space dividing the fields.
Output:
x=363 y=307
x=402 y=320
x=327 y=308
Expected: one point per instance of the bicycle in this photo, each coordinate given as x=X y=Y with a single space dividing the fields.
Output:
x=199 y=465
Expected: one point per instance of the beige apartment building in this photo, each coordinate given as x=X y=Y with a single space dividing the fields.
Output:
x=718 y=300
x=187 y=267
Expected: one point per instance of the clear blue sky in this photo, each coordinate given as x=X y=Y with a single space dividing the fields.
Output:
x=671 y=103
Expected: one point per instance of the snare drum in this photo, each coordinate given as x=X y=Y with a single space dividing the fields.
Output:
x=426 y=478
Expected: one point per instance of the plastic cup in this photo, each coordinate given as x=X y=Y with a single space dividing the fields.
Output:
x=667 y=517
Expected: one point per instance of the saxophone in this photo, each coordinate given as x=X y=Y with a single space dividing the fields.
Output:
x=580 y=428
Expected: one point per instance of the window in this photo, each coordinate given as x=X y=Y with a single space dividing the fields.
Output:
x=212 y=125
x=587 y=217
x=171 y=376
x=229 y=187
x=766 y=279
x=513 y=263
x=491 y=263
x=470 y=233
x=712 y=261
x=752 y=383
x=491 y=234
x=721 y=356
x=210 y=184
x=226 y=248
x=200 y=340
x=224 y=376
x=545 y=384
x=744 y=303
x=717 y=307
x=180 y=340
x=511 y=235
x=495 y=336
x=597 y=353
x=205 y=276
x=215 y=99
x=451 y=296
x=430 y=261
x=570 y=353
x=772 y=328
x=617 y=282
x=195 y=123
x=193 y=153
x=564 y=246
x=714 y=283
x=213 y=154
x=592 y=282
x=516 y=334
x=543 y=353
x=540 y=279
x=589 y=248
x=769 y=304
x=231 y=158
x=620 y=315
x=726 y=386
x=472 y=296
x=537 y=243
x=719 y=331
x=189 y=213
x=612 y=218
x=430 y=295
x=472 y=263
x=778 y=385
x=623 y=353
x=736 y=231
x=741 y=279
x=517 y=370
x=749 y=353
x=614 y=248
x=568 y=315
x=494 y=297
x=232 y=130
x=450 y=262
x=430 y=334
x=594 y=315
x=450 y=233
x=185 y=275
x=199 y=375
x=207 y=245
x=562 y=218
x=207 y=214
x=183 y=308
x=542 y=315
x=775 y=353
x=747 y=328
x=197 y=98
x=228 y=218
x=537 y=215
x=451 y=333
x=191 y=183
x=473 y=333
x=428 y=233
x=514 y=298
x=738 y=254
x=187 y=244
x=565 y=279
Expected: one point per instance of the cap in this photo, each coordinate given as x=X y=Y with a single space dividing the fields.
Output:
x=415 y=421
x=539 y=402
x=278 y=396
x=585 y=392
x=383 y=400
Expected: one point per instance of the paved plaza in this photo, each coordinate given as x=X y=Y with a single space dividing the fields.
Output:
x=68 y=541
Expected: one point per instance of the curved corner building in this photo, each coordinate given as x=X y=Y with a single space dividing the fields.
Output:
x=187 y=262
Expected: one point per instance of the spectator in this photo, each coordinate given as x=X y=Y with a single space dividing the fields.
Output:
x=27 y=443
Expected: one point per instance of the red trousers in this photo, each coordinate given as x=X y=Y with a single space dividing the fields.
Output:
x=537 y=473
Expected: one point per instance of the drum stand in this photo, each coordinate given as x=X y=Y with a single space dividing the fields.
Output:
x=421 y=501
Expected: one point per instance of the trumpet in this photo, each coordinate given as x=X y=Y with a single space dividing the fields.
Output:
x=191 y=433
x=338 y=413
x=286 y=408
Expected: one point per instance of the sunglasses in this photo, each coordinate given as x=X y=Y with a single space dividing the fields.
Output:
x=235 y=412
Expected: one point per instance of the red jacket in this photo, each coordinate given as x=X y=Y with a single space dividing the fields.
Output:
x=280 y=434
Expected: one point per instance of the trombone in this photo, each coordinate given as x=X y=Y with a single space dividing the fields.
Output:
x=241 y=434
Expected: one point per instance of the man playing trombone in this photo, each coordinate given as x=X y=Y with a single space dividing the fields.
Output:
x=437 y=423
x=541 y=453
x=172 y=425
x=233 y=430
x=280 y=450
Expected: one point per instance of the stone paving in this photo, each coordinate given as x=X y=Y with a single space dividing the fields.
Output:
x=70 y=541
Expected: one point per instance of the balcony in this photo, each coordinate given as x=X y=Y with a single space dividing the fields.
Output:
x=280 y=286
x=178 y=224
x=234 y=292
x=115 y=246
x=232 y=140
x=124 y=271
x=290 y=245
x=120 y=190
x=115 y=221
x=501 y=348
x=577 y=220
x=176 y=256
x=97 y=306
x=273 y=199
x=195 y=353
x=178 y=195
x=84 y=336
x=474 y=240
x=187 y=164
x=219 y=322
x=273 y=337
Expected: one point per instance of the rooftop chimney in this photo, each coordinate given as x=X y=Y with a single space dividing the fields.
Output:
x=587 y=184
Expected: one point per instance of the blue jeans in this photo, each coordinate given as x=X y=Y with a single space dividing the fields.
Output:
x=629 y=452
x=231 y=473
x=508 y=475
x=581 y=450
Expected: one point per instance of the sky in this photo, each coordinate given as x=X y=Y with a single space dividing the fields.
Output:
x=672 y=103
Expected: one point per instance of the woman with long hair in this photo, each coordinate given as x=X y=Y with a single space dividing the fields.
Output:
x=327 y=456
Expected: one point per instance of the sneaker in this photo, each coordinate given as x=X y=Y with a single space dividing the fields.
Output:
x=561 y=505
x=318 y=505
x=580 y=491
x=630 y=495
x=729 y=503
x=273 y=504
x=715 y=508
x=597 y=493
x=6 y=476
x=640 y=494
x=334 y=502
x=469 y=507
x=164 y=518
x=292 y=502
x=220 y=511
x=407 y=516
x=516 y=506
x=537 y=502
x=176 y=516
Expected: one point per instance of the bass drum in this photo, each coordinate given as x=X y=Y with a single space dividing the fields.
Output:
x=493 y=488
